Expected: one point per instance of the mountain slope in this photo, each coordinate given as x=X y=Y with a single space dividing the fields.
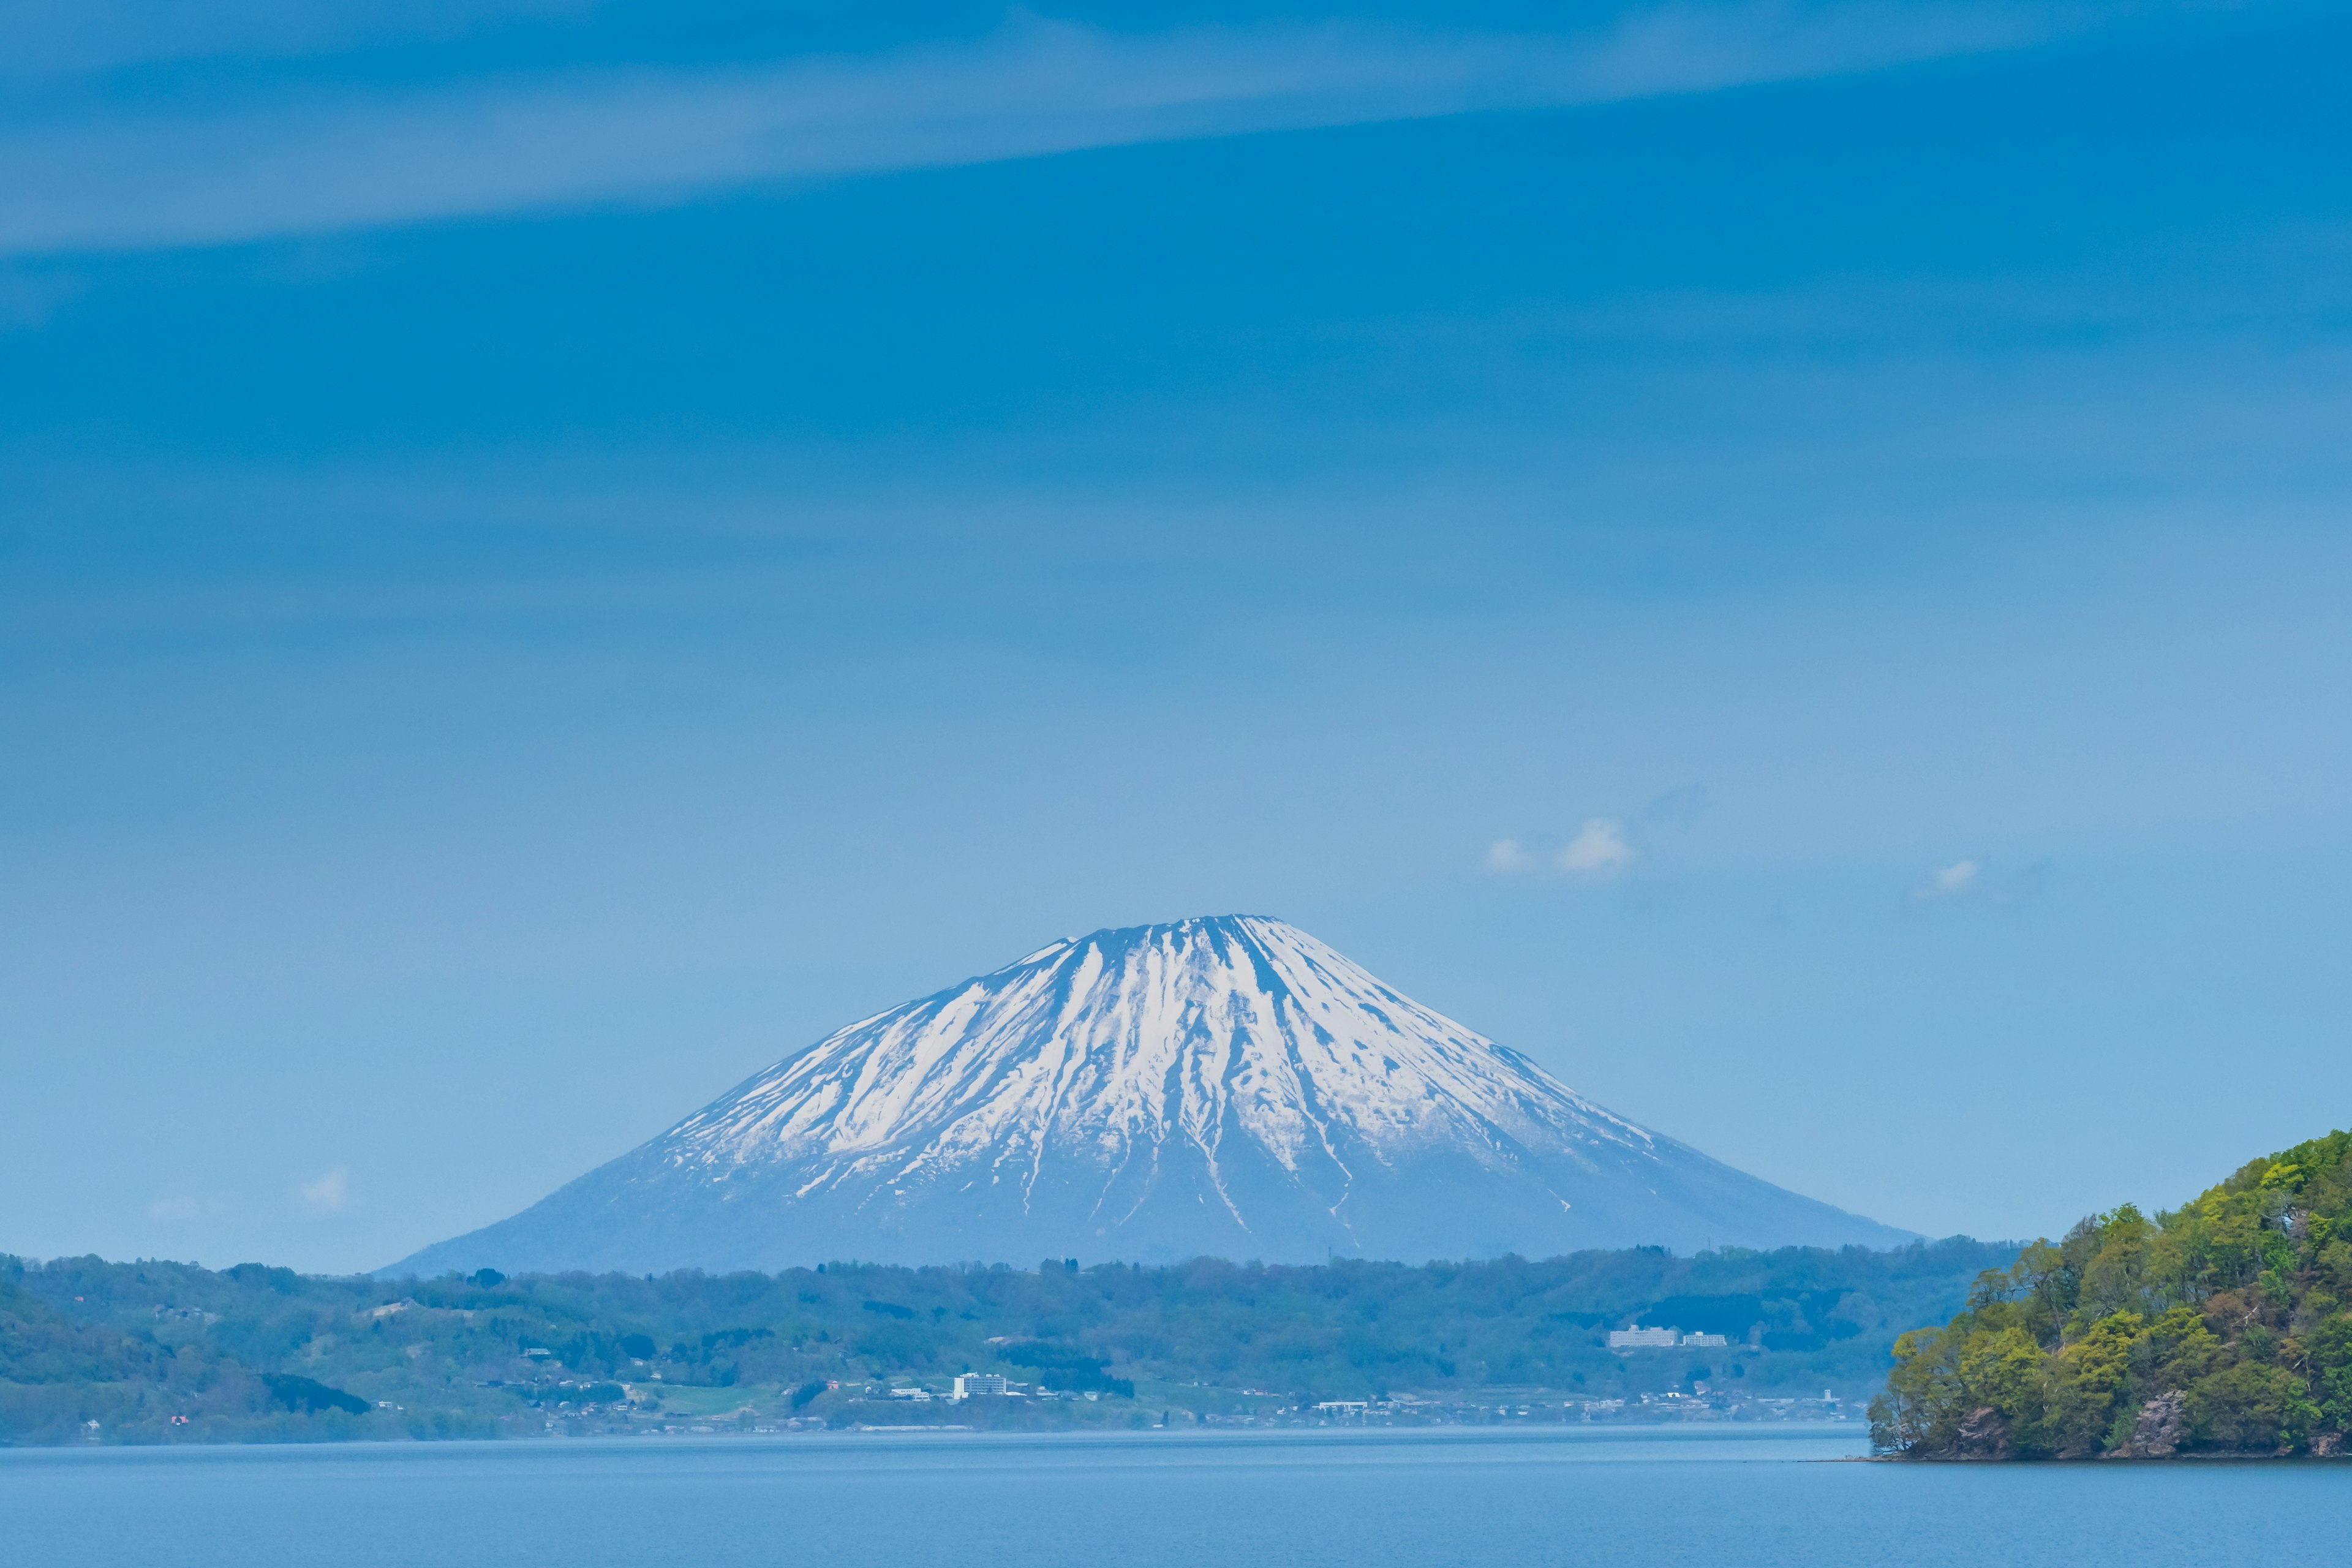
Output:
x=1227 y=1085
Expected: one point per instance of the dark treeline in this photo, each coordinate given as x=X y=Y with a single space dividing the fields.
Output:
x=155 y=1350
x=2219 y=1328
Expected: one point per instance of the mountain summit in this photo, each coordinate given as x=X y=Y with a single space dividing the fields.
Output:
x=1225 y=1086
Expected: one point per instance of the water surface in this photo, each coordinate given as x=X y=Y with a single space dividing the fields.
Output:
x=1766 y=1497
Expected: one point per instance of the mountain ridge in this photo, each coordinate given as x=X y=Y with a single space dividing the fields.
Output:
x=1216 y=1086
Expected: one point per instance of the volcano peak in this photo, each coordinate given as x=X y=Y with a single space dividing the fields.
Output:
x=1224 y=1084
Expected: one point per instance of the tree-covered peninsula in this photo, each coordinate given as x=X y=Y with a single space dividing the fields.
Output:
x=2218 y=1329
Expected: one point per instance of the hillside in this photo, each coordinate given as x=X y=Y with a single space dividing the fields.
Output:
x=2218 y=1329
x=160 y=1351
x=1221 y=1086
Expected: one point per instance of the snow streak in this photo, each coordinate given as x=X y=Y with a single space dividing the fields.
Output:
x=1123 y=1046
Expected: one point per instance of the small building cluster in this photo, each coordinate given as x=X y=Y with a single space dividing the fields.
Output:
x=977 y=1384
x=1638 y=1338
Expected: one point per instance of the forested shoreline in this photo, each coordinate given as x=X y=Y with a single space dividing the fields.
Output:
x=153 y=1352
x=2218 y=1329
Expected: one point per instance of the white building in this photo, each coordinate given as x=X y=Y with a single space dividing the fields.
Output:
x=1639 y=1338
x=1705 y=1340
x=971 y=1382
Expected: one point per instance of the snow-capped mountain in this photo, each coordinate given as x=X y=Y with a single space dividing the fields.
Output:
x=1227 y=1085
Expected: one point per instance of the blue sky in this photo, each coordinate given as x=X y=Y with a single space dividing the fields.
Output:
x=1786 y=560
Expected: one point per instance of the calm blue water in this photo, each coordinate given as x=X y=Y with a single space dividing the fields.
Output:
x=1704 y=1496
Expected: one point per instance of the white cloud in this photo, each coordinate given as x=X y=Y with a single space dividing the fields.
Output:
x=328 y=1193
x=1506 y=856
x=1953 y=881
x=191 y=173
x=1974 y=882
x=1598 y=849
x=178 y=1208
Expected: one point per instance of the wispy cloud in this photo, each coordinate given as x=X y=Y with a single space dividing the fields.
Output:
x=1598 y=849
x=1956 y=880
x=1602 y=847
x=56 y=37
x=328 y=1192
x=315 y=159
x=1509 y=856
x=1973 y=881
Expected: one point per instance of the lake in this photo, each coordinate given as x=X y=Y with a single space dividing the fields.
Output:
x=1759 y=1497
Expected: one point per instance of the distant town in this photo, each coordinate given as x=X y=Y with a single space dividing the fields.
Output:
x=986 y=1401
x=153 y=1352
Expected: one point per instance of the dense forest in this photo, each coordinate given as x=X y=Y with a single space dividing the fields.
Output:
x=2219 y=1328
x=161 y=1352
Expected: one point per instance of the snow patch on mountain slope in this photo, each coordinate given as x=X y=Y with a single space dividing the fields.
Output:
x=1121 y=1041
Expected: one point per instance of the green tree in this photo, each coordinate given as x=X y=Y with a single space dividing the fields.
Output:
x=2227 y=1309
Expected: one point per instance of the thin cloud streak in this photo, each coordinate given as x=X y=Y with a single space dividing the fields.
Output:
x=320 y=162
